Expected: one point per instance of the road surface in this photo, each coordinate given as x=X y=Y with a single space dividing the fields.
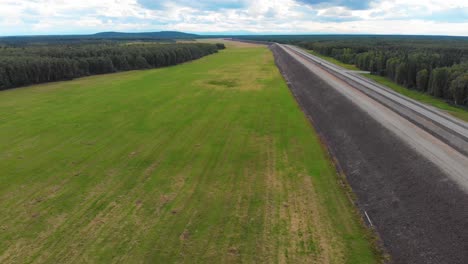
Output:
x=406 y=162
x=436 y=135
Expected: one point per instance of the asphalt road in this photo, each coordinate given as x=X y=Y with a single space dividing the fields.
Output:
x=405 y=161
x=434 y=134
x=451 y=126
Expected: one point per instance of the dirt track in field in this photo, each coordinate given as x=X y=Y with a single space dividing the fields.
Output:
x=420 y=213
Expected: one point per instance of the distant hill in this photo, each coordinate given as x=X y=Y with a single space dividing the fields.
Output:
x=162 y=35
x=152 y=35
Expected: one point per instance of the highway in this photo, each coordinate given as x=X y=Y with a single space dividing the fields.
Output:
x=439 y=137
x=406 y=162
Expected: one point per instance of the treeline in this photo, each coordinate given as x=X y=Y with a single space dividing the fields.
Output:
x=33 y=64
x=433 y=64
x=437 y=68
x=161 y=36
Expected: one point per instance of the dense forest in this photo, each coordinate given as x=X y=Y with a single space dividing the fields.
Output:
x=38 y=63
x=434 y=65
x=162 y=36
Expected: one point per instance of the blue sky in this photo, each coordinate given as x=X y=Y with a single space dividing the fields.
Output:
x=428 y=17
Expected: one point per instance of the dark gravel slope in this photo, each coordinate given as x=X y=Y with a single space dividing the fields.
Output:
x=421 y=215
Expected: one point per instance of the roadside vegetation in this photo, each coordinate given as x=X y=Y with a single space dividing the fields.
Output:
x=207 y=162
x=438 y=70
x=460 y=112
x=420 y=55
x=456 y=111
x=434 y=65
x=335 y=61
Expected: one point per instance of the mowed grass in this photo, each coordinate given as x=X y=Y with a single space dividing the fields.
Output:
x=459 y=112
x=335 y=61
x=207 y=162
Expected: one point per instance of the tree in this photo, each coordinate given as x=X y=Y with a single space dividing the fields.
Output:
x=391 y=67
x=438 y=83
x=31 y=64
x=220 y=46
x=4 y=80
x=141 y=63
x=422 y=78
x=401 y=75
x=459 y=89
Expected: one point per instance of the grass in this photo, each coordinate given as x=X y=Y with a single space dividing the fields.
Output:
x=207 y=162
x=335 y=61
x=458 y=112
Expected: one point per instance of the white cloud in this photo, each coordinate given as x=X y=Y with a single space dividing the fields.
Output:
x=261 y=16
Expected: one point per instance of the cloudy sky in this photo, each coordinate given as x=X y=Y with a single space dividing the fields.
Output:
x=434 y=17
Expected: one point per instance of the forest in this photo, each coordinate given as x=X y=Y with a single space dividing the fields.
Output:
x=161 y=36
x=38 y=63
x=434 y=65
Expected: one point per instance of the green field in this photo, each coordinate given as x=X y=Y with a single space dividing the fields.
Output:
x=206 y=162
x=459 y=112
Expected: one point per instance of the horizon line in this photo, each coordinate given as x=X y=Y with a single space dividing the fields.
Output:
x=227 y=34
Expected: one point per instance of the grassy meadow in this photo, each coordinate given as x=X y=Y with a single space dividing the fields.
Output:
x=211 y=161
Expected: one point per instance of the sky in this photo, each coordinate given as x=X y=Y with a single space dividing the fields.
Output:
x=415 y=17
